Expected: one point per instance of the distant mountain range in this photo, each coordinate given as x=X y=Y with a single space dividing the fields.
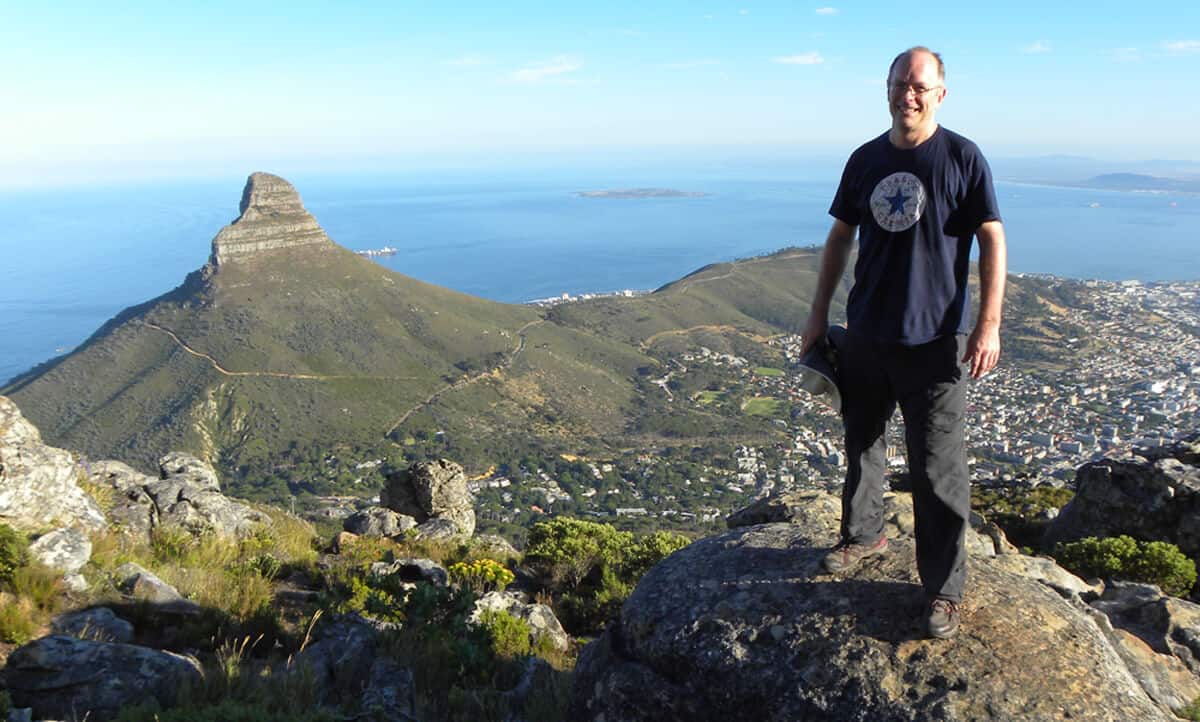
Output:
x=285 y=340
x=1180 y=176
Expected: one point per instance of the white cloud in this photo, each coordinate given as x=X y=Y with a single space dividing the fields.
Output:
x=553 y=68
x=1182 y=47
x=1036 y=48
x=1126 y=55
x=689 y=64
x=813 y=58
x=827 y=11
x=743 y=11
x=469 y=61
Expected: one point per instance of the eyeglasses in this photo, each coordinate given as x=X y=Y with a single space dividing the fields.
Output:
x=904 y=88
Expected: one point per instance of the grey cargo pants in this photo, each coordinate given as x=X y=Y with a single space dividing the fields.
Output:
x=929 y=384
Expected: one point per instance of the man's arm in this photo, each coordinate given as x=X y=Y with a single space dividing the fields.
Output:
x=983 y=346
x=833 y=265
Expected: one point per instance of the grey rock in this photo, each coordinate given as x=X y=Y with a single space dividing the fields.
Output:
x=39 y=484
x=438 y=529
x=378 y=521
x=132 y=511
x=1155 y=500
x=20 y=714
x=390 y=692
x=429 y=490
x=61 y=677
x=99 y=624
x=542 y=622
x=746 y=626
x=495 y=546
x=138 y=583
x=64 y=550
x=413 y=571
x=189 y=496
x=820 y=510
x=76 y=583
x=340 y=656
x=271 y=218
x=1047 y=572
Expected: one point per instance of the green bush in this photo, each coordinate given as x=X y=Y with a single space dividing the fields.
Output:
x=591 y=567
x=510 y=636
x=1124 y=557
x=12 y=551
x=1191 y=712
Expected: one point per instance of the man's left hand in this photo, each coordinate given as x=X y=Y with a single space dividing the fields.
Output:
x=983 y=349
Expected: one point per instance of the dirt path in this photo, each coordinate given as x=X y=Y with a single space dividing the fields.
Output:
x=270 y=374
x=468 y=380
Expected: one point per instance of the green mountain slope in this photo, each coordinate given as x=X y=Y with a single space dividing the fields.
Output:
x=286 y=347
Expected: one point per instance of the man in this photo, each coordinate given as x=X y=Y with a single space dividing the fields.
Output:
x=916 y=196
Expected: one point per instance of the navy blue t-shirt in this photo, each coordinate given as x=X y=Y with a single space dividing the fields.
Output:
x=916 y=211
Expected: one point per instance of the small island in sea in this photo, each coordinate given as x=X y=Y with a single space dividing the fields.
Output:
x=641 y=193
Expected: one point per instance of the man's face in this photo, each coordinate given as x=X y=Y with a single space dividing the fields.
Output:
x=914 y=91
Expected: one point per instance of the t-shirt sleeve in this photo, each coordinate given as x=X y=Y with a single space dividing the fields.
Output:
x=981 y=205
x=845 y=201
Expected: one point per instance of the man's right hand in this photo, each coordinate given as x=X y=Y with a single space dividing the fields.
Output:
x=814 y=331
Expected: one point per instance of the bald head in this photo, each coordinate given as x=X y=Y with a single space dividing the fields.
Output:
x=903 y=59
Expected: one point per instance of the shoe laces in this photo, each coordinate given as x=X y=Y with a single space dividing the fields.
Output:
x=945 y=605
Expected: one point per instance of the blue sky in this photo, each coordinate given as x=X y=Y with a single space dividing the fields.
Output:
x=99 y=90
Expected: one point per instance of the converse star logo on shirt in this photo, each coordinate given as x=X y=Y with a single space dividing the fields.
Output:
x=898 y=201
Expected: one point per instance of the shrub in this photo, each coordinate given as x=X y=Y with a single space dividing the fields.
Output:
x=568 y=550
x=17 y=620
x=509 y=635
x=597 y=565
x=13 y=550
x=1190 y=712
x=1124 y=557
x=482 y=575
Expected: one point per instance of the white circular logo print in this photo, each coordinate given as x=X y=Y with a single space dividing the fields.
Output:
x=898 y=201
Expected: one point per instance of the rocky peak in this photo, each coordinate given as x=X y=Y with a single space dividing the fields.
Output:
x=272 y=217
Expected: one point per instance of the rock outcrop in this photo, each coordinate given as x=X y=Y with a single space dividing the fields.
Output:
x=39 y=484
x=1157 y=499
x=746 y=625
x=432 y=490
x=187 y=495
x=64 y=550
x=272 y=218
x=62 y=677
x=377 y=521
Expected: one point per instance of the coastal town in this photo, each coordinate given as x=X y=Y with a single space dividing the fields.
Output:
x=1131 y=378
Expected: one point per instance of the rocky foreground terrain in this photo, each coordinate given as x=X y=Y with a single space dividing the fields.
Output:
x=742 y=625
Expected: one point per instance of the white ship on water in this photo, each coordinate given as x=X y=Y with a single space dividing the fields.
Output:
x=372 y=252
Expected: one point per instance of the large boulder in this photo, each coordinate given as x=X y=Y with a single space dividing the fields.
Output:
x=378 y=521
x=431 y=490
x=814 y=509
x=63 y=550
x=189 y=496
x=99 y=624
x=186 y=495
x=39 y=484
x=62 y=677
x=343 y=664
x=746 y=625
x=131 y=510
x=1157 y=499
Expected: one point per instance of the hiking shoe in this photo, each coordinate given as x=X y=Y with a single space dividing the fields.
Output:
x=847 y=555
x=942 y=621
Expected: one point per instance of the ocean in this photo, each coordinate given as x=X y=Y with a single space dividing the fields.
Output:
x=73 y=258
